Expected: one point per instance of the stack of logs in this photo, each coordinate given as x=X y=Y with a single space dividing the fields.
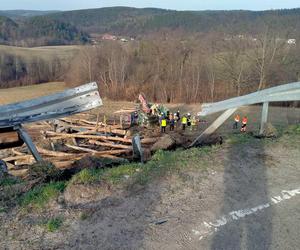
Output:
x=70 y=139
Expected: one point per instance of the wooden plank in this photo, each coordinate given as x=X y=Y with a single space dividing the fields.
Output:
x=214 y=126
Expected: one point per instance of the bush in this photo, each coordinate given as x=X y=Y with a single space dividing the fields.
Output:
x=45 y=171
x=54 y=224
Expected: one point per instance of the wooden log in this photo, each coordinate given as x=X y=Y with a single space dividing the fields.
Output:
x=112 y=152
x=63 y=164
x=81 y=149
x=148 y=140
x=10 y=166
x=84 y=122
x=19 y=172
x=27 y=161
x=109 y=144
x=68 y=164
x=73 y=157
x=16 y=152
x=96 y=137
x=10 y=139
x=94 y=129
x=53 y=153
x=18 y=157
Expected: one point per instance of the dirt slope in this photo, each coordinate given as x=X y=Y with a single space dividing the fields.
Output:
x=233 y=201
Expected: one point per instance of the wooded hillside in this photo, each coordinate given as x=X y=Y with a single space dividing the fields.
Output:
x=72 y=27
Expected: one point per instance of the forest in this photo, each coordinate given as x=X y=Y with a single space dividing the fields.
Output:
x=30 y=29
x=198 y=69
x=176 y=56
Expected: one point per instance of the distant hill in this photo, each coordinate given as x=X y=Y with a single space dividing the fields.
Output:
x=8 y=29
x=37 y=31
x=132 y=21
x=72 y=27
x=17 y=14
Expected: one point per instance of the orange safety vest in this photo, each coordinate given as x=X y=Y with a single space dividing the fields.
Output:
x=245 y=120
x=237 y=118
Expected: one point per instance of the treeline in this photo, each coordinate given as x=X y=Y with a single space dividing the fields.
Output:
x=199 y=69
x=167 y=67
x=74 y=27
x=18 y=71
x=137 y=22
x=39 y=31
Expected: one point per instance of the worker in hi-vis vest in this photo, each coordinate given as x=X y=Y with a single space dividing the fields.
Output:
x=244 y=124
x=194 y=123
x=163 y=124
x=183 y=122
x=236 y=121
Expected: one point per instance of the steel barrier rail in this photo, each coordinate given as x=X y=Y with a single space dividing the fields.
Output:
x=286 y=92
x=71 y=101
x=281 y=93
x=68 y=102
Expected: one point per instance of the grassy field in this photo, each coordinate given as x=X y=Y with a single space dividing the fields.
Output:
x=46 y=53
x=17 y=94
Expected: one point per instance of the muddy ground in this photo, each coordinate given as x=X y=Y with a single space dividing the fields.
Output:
x=191 y=209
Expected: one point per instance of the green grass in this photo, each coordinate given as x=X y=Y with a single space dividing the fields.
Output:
x=239 y=138
x=293 y=130
x=54 y=224
x=9 y=181
x=87 y=176
x=162 y=163
x=3 y=210
x=39 y=196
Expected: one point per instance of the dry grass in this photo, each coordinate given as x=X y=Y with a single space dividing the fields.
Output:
x=29 y=92
x=46 y=53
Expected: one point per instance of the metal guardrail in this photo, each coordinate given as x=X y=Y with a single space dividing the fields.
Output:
x=286 y=92
x=71 y=101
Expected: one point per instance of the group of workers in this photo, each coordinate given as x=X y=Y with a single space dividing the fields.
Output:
x=243 y=122
x=175 y=119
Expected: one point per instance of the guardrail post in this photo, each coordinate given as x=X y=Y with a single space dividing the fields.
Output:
x=26 y=138
x=264 y=117
x=214 y=126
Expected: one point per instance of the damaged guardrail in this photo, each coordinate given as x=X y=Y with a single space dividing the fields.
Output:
x=66 y=103
x=281 y=93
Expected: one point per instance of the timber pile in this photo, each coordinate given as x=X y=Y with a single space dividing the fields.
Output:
x=71 y=139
